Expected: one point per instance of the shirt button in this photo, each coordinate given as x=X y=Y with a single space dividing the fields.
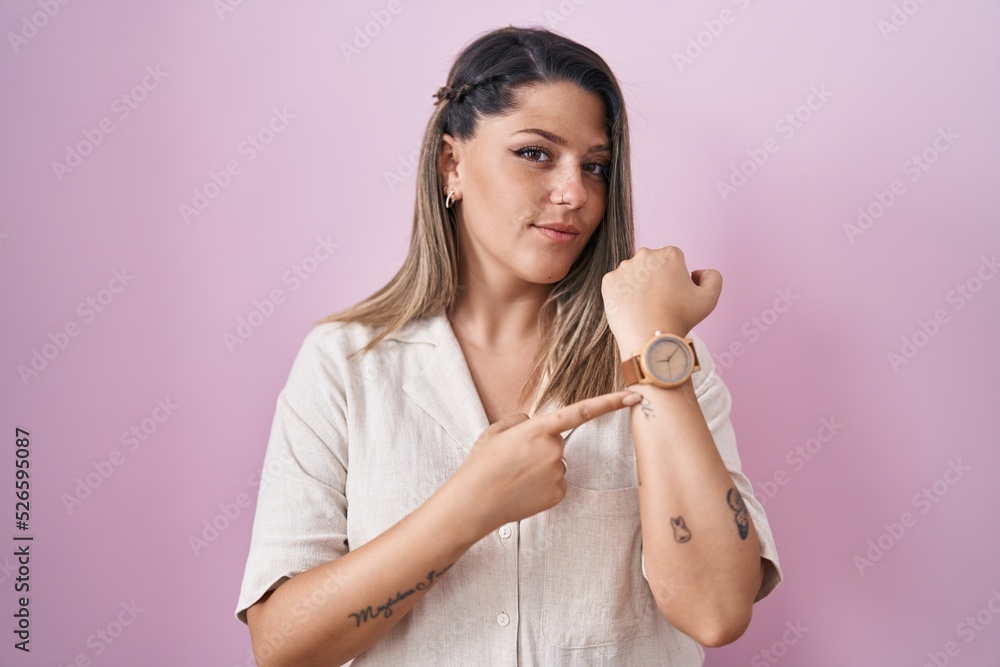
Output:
x=505 y=532
x=503 y=619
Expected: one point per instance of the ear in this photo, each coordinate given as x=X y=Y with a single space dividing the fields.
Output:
x=451 y=156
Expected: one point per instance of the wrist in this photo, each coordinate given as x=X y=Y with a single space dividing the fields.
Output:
x=685 y=388
x=666 y=360
x=468 y=519
x=632 y=342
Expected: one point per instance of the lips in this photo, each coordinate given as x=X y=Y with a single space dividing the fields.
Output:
x=559 y=227
x=558 y=232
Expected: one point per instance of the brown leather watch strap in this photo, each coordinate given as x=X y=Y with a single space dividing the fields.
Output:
x=695 y=366
x=631 y=370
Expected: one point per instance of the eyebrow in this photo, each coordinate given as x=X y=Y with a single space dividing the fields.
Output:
x=556 y=139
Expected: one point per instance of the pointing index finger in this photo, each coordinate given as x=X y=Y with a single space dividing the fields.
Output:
x=575 y=414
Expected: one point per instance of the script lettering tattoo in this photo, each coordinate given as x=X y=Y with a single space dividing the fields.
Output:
x=742 y=518
x=385 y=610
x=647 y=409
x=681 y=532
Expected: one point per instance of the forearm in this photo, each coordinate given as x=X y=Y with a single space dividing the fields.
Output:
x=331 y=613
x=702 y=554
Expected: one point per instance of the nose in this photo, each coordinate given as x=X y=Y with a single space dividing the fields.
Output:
x=568 y=187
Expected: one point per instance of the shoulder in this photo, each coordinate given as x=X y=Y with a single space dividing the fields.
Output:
x=338 y=346
x=340 y=338
x=331 y=363
x=334 y=338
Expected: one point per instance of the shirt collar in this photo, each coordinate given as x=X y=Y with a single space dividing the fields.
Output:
x=443 y=387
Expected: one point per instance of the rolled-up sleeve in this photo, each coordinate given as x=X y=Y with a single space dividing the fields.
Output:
x=301 y=516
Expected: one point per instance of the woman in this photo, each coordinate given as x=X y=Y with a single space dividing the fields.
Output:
x=412 y=513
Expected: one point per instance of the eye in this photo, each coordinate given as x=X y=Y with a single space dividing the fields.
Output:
x=605 y=168
x=527 y=150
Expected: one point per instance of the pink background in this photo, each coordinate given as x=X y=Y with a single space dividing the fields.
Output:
x=324 y=175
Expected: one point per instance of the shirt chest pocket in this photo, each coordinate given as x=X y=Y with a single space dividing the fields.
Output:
x=594 y=593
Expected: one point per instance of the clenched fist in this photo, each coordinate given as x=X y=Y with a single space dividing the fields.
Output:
x=654 y=291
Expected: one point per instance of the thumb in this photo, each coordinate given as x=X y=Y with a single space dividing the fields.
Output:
x=506 y=422
x=708 y=278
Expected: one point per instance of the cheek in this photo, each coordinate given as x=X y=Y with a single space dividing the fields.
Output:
x=508 y=197
x=490 y=176
x=597 y=204
x=492 y=200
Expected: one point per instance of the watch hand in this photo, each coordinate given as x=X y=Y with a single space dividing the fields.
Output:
x=670 y=357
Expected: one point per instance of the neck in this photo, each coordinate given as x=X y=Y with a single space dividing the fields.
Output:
x=495 y=313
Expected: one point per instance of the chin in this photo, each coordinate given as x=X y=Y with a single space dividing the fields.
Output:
x=550 y=274
x=546 y=266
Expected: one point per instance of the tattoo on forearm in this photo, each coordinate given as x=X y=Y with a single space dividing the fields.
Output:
x=385 y=610
x=647 y=408
x=742 y=518
x=681 y=532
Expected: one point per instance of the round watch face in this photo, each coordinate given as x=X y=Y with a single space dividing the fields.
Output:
x=669 y=359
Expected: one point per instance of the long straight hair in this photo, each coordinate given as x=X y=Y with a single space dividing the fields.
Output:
x=578 y=356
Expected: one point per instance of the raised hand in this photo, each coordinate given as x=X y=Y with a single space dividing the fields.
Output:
x=655 y=291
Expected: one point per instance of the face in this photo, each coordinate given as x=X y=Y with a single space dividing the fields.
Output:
x=532 y=184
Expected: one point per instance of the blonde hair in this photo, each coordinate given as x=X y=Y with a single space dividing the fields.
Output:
x=578 y=355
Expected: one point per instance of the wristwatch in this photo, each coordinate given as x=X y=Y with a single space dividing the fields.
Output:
x=666 y=361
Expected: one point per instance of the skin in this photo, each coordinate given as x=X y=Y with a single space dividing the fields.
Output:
x=506 y=183
x=704 y=585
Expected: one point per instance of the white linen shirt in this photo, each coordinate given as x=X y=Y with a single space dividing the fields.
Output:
x=357 y=444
